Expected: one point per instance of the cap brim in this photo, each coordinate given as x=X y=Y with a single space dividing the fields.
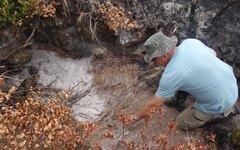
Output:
x=140 y=50
x=148 y=57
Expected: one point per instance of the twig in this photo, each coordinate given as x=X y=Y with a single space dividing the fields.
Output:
x=10 y=71
x=93 y=30
x=29 y=38
x=85 y=116
x=4 y=45
x=13 y=78
x=27 y=43
x=22 y=80
x=52 y=82
x=66 y=10
x=123 y=132
x=173 y=31
x=21 y=91
x=80 y=96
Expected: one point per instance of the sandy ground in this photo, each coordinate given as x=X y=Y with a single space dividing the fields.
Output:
x=105 y=86
x=75 y=74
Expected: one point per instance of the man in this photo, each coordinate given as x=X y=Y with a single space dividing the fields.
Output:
x=194 y=68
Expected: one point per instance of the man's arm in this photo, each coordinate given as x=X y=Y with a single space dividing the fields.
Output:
x=153 y=102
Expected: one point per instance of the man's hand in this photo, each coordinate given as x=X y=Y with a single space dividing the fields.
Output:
x=135 y=119
x=151 y=105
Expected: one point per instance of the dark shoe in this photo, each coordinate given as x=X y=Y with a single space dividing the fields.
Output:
x=178 y=105
x=218 y=120
x=181 y=96
x=178 y=101
x=235 y=112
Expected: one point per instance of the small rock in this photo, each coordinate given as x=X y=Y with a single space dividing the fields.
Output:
x=130 y=38
x=99 y=52
x=6 y=87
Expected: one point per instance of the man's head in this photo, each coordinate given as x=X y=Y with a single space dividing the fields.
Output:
x=158 y=45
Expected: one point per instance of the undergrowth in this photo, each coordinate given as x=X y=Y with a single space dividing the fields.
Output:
x=157 y=140
x=18 y=12
x=38 y=123
x=35 y=123
x=117 y=17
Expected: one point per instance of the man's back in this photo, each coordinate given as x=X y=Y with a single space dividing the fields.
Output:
x=195 y=69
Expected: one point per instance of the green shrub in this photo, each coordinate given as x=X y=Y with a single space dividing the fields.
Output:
x=11 y=11
x=19 y=11
x=236 y=138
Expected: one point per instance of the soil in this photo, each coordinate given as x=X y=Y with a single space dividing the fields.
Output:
x=129 y=82
x=116 y=80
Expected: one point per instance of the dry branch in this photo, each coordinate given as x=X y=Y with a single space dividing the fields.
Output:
x=27 y=43
x=6 y=44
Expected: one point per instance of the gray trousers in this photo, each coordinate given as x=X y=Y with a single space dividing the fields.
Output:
x=191 y=118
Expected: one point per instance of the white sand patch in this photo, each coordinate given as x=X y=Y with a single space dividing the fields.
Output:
x=88 y=108
x=64 y=73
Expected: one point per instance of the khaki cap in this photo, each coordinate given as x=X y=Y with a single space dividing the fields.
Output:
x=158 y=45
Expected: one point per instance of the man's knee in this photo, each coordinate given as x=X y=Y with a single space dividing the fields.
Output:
x=188 y=125
x=192 y=119
x=181 y=123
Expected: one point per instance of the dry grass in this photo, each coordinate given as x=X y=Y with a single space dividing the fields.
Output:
x=35 y=124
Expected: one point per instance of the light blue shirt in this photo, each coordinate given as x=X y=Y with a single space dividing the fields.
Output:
x=195 y=69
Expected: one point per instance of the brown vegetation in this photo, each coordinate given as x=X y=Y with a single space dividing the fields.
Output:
x=35 y=124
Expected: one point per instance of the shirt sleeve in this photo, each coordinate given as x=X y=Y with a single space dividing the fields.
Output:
x=168 y=85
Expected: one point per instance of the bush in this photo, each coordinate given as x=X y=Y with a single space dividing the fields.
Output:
x=116 y=17
x=19 y=11
x=35 y=124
